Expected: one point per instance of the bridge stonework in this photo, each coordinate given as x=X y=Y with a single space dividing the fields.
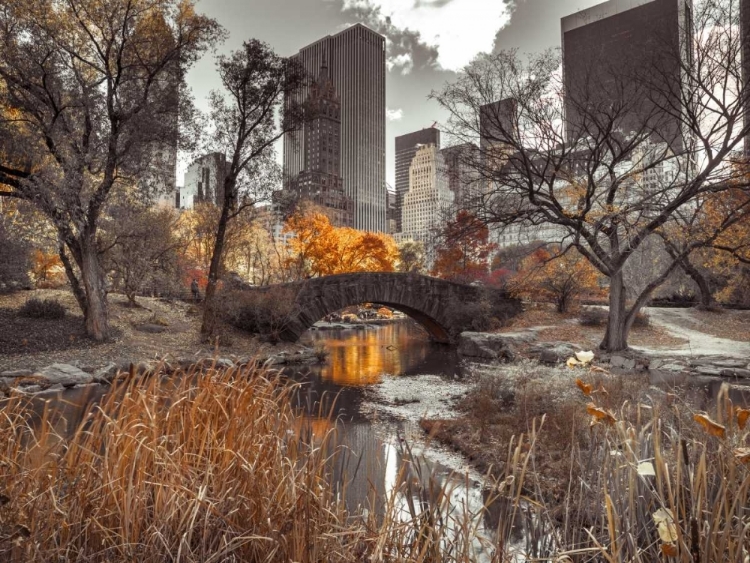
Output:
x=432 y=302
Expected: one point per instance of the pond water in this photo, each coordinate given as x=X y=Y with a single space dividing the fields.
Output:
x=377 y=459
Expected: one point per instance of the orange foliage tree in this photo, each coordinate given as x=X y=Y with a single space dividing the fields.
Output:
x=320 y=249
x=560 y=276
x=464 y=250
x=47 y=269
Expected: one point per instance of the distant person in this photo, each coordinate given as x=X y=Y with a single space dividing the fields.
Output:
x=195 y=290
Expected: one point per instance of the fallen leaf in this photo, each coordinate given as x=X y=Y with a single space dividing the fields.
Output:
x=646 y=468
x=665 y=525
x=585 y=357
x=713 y=428
x=584 y=387
x=600 y=414
x=597 y=369
x=742 y=416
x=669 y=549
x=572 y=362
x=742 y=455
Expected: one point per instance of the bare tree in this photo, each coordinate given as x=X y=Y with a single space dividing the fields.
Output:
x=610 y=157
x=248 y=118
x=89 y=93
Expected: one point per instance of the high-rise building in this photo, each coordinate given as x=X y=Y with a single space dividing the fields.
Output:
x=429 y=200
x=204 y=181
x=406 y=147
x=391 y=213
x=320 y=181
x=623 y=51
x=356 y=62
x=462 y=176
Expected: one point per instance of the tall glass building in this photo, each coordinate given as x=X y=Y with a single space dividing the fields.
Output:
x=356 y=64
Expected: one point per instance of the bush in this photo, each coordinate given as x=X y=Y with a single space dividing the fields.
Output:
x=642 y=320
x=262 y=312
x=37 y=309
x=490 y=311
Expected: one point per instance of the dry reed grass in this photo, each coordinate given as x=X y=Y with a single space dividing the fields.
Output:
x=216 y=466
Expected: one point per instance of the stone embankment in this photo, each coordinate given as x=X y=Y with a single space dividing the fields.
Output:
x=508 y=347
x=57 y=377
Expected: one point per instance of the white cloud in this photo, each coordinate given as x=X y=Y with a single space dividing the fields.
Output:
x=460 y=29
x=394 y=114
x=403 y=62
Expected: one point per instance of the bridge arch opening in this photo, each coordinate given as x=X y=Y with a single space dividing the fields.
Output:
x=434 y=328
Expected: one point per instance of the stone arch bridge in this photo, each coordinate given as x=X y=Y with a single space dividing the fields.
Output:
x=443 y=308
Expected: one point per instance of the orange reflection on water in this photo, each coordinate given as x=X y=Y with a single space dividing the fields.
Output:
x=363 y=357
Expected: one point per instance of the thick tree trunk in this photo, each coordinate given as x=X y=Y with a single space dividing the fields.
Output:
x=96 y=315
x=616 y=336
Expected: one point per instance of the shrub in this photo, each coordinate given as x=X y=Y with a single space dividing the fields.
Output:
x=42 y=309
x=262 y=312
x=642 y=320
x=490 y=311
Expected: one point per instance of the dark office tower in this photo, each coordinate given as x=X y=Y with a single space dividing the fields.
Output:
x=356 y=63
x=463 y=179
x=320 y=181
x=406 y=147
x=626 y=52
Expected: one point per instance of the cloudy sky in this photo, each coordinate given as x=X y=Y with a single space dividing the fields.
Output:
x=428 y=41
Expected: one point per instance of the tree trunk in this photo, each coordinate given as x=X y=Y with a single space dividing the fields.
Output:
x=706 y=298
x=75 y=283
x=96 y=316
x=616 y=336
x=209 y=326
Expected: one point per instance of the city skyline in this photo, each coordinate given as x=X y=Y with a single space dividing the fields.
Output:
x=418 y=62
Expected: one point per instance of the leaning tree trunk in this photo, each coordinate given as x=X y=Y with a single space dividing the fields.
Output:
x=616 y=336
x=210 y=307
x=95 y=314
x=706 y=298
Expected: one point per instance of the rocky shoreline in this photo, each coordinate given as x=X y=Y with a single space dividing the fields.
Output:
x=60 y=376
x=510 y=346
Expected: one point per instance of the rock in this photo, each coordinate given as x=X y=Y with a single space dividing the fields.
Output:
x=553 y=353
x=736 y=372
x=709 y=370
x=486 y=346
x=621 y=362
x=150 y=328
x=106 y=374
x=66 y=375
x=224 y=363
x=729 y=363
x=16 y=373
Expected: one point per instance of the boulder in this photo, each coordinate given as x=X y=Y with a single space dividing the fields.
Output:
x=16 y=373
x=486 y=346
x=65 y=375
x=621 y=362
x=553 y=353
x=106 y=374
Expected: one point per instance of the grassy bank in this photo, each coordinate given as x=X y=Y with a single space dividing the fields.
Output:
x=203 y=467
x=218 y=466
x=620 y=471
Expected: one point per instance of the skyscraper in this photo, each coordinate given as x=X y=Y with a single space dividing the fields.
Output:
x=461 y=175
x=406 y=147
x=204 y=181
x=320 y=181
x=626 y=51
x=429 y=200
x=356 y=64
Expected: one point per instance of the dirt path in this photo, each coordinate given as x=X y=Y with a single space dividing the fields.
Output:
x=678 y=321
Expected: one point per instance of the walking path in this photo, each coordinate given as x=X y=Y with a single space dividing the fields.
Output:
x=699 y=343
